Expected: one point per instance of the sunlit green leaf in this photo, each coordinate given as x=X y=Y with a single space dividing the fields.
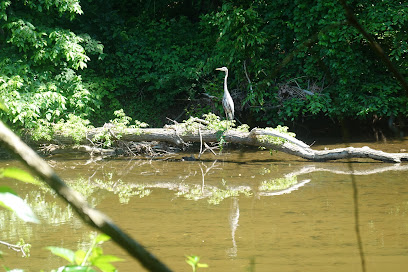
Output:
x=102 y=238
x=192 y=260
x=5 y=189
x=105 y=267
x=103 y=262
x=9 y=200
x=79 y=256
x=3 y=106
x=18 y=174
x=65 y=253
x=108 y=258
x=97 y=251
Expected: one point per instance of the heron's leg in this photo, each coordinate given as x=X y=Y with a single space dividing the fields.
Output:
x=227 y=119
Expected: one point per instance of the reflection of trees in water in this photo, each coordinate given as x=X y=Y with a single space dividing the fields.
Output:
x=185 y=182
x=48 y=211
x=124 y=190
x=55 y=213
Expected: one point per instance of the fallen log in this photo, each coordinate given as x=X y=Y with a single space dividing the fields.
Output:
x=181 y=135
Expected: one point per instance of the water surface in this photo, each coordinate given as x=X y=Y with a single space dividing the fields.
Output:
x=239 y=211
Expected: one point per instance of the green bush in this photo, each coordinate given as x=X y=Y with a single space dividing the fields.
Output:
x=288 y=61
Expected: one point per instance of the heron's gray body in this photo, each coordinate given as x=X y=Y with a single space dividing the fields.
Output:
x=227 y=101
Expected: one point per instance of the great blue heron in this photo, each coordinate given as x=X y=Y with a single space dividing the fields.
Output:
x=227 y=101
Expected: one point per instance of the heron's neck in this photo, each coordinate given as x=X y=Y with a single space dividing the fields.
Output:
x=225 y=82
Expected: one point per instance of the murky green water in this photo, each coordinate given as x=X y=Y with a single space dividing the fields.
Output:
x=246 y=210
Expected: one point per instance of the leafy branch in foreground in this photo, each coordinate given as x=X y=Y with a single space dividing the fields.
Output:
x=81 y=260
x=194 y=262
x=9 y=198
x=11 y=201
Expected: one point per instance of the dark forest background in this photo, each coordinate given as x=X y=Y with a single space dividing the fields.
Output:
x=294 y=63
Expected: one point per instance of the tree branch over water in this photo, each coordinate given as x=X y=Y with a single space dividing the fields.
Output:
x=89 y=215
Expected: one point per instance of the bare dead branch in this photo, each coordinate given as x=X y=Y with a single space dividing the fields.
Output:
x=17 y=248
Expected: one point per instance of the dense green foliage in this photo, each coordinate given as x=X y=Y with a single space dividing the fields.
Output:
x=39 y=63
x=288 y=60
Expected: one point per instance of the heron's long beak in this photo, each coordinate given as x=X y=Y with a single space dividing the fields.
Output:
x=219 y=69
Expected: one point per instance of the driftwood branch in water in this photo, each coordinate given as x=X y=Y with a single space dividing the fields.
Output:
x=88 y=214
x=179 y=136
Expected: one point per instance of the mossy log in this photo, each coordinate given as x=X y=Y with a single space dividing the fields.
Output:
x=180 y=136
